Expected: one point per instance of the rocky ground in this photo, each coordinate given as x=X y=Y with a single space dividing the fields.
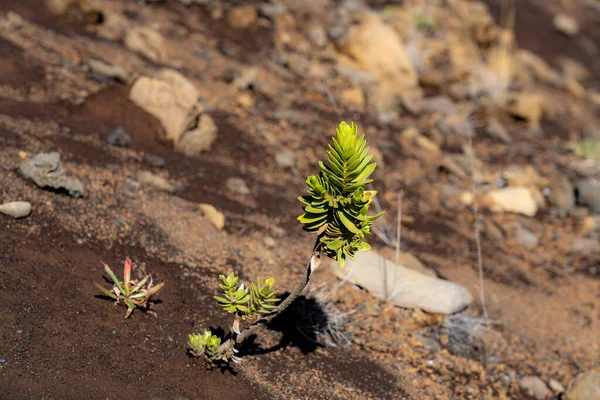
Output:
x=179 y=133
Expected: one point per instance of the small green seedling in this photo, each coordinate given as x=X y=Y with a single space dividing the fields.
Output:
x=131 y=292
x=336 y=210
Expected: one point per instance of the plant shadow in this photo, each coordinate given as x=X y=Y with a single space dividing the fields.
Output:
x=299 y=326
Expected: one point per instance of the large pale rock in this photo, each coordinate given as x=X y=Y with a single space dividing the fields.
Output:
x=147 y=42
x=517 y=200
x=585 y=387
x=46 y=171
x=376 y=47
x=173 y=99
x=405 y=287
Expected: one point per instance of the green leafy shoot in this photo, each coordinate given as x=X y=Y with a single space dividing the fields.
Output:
x=262 y=298
x=205 y=345
x=234 y=299
x=129 y=291
x=337 y=204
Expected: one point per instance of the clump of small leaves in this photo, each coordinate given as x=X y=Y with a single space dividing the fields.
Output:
x=336 y=208
x=131 y=292
x=205 y=345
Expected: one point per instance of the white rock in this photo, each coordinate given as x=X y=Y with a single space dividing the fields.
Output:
x=216 y=217
x=517 y=200
x=377 y=48
x=411 y=289
x=158 y=182
x=566 y=25
x=285 y=158
x=16 y=209
x=534 y=387
x=198 y=137
x=147 y=42
x=238 y=185
x=173 y=99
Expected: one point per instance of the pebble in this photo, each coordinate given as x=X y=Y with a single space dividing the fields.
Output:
x=525 y=237
x=111 y=71
x=238 y=185
x=216 y=217
x=285 y=158
x=155 y=181
x=119 y=138
x=566 y=25
x=556 y=386
x=16 y=209
x=154 y=160
x=533 y=386
x=588 y=193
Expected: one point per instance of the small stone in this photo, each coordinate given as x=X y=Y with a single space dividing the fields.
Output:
x=528 y=106
x=386 y=105
x=149 y=179
x=46 y=171
x=585 y=246
x=16 y=209
x=110 y=71
x=415 y=144
x=317 y=35
x=517 y=200
x=22 y=154
x=199 y=136
x=588 y=193
x=534 y=387
x=154 y=160
x=20 y=331
x=585 y=387
x=119 y=138
x=353 y=98
x=147 y=42
x=3 y=361
x=556 y=386
x=286 y=159
x=216 y=217
x=562 y=195
x=566 y=25
x=292 y=116
x=245 y=100
x=237 y=185
x=246 y=78
x=271 y=11
x=130 y=187
x=525 y=237
x=270 y=242
x=242 y=17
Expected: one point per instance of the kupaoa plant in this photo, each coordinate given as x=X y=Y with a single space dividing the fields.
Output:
x=336 y=209
x=131 y=292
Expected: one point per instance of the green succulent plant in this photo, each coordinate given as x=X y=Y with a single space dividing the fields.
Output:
x=234 y=299
x=262 y=298
x=337 y=204
x=205 y=345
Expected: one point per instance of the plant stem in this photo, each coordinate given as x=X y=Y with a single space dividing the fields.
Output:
x=315 y=260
